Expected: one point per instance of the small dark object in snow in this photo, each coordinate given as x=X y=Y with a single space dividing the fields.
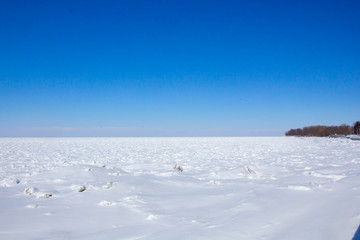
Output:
x=179 y=168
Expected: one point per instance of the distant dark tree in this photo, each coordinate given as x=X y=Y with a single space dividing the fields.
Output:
x=294 y=132
x=357 y=128
x=322 y=131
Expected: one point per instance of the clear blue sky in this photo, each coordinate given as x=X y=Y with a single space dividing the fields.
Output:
x=177 y=68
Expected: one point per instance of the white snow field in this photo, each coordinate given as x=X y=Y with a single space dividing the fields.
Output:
x=229 y=188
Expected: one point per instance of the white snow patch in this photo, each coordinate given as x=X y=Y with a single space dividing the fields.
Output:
x=151 y=217
x=32 y=206
x=335 y=178
x=299 y=188
x=106 y=203
x=230 y=188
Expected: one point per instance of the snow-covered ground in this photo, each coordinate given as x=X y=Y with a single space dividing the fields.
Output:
x=230 y=188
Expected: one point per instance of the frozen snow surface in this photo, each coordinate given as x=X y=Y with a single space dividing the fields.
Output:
x=179 y=188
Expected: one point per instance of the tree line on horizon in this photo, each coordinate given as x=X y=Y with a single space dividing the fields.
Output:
x=324 y=131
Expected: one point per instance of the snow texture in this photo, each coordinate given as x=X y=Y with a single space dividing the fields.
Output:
x=228 y=188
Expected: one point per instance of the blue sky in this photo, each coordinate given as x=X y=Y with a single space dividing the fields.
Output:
x=177 y=68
